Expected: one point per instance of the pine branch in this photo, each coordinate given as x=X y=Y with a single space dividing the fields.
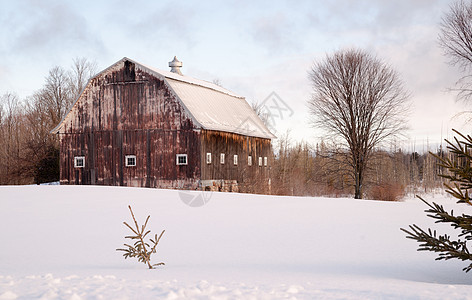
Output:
x=441 y=244
x=460 y=182
x=438 y=212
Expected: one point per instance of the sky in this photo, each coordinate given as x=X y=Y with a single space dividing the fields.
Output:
x=262 y=50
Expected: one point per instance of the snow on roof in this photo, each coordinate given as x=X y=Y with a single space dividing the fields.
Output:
x=187 y=79
x=212 y=106
x=215 y=110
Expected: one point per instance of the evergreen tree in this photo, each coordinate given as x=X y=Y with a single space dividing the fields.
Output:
x=459 y=177
x=47 y=169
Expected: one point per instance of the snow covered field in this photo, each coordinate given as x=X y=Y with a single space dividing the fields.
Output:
x=58 y=242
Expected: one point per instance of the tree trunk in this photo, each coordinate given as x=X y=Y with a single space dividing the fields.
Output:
x=358 y=187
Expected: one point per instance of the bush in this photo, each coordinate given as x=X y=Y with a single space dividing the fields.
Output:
x=387 y=192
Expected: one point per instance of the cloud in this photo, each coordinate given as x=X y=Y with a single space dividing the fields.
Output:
x=285 y=27
x=353 y=21
x=156 y=23
x=46 y=27
x=37 y=35
x=275 y=32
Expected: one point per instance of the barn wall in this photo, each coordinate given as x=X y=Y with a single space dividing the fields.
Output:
x=105 y=152
x=126 y=111
x=254 y=178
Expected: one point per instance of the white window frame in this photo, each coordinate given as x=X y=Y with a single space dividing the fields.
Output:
x=222 y=158
x=235 y=159
x=260 y=161
x=208 y=158
x=265 y=161
x=177 y=160
x=76 y=161
x=127 y=162
x=249 y=160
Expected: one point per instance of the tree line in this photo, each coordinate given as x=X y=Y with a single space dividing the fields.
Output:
x=28 y=152
x=304 y=169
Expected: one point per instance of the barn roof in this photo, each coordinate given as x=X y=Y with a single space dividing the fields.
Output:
x=211 y=106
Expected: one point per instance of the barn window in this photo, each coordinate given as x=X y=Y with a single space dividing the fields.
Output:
x=235 y=159
x=260 y=161
x=249 y=160
x=222 y=158
x=130 y=160
x=208 y=158
x=181 y=159
x=265 y=161
x=79 y=162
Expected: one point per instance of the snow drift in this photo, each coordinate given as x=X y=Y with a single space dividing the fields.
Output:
x=58 y=242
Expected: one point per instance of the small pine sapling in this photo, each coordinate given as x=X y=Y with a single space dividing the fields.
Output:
x=460 y=174
x=140 y=249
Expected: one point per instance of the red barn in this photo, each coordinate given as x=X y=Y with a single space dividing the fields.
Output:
x=138 y=126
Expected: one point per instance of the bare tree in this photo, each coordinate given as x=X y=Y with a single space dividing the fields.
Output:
x=217 y=81
x=359 y=101
x=82 y=70
x=56 y=94
x=11 y=139
x=262 y=112
x=63 y=87
x=455 y=39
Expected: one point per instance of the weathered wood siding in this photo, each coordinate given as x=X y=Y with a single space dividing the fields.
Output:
x=252 y=178
x=127 y=111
